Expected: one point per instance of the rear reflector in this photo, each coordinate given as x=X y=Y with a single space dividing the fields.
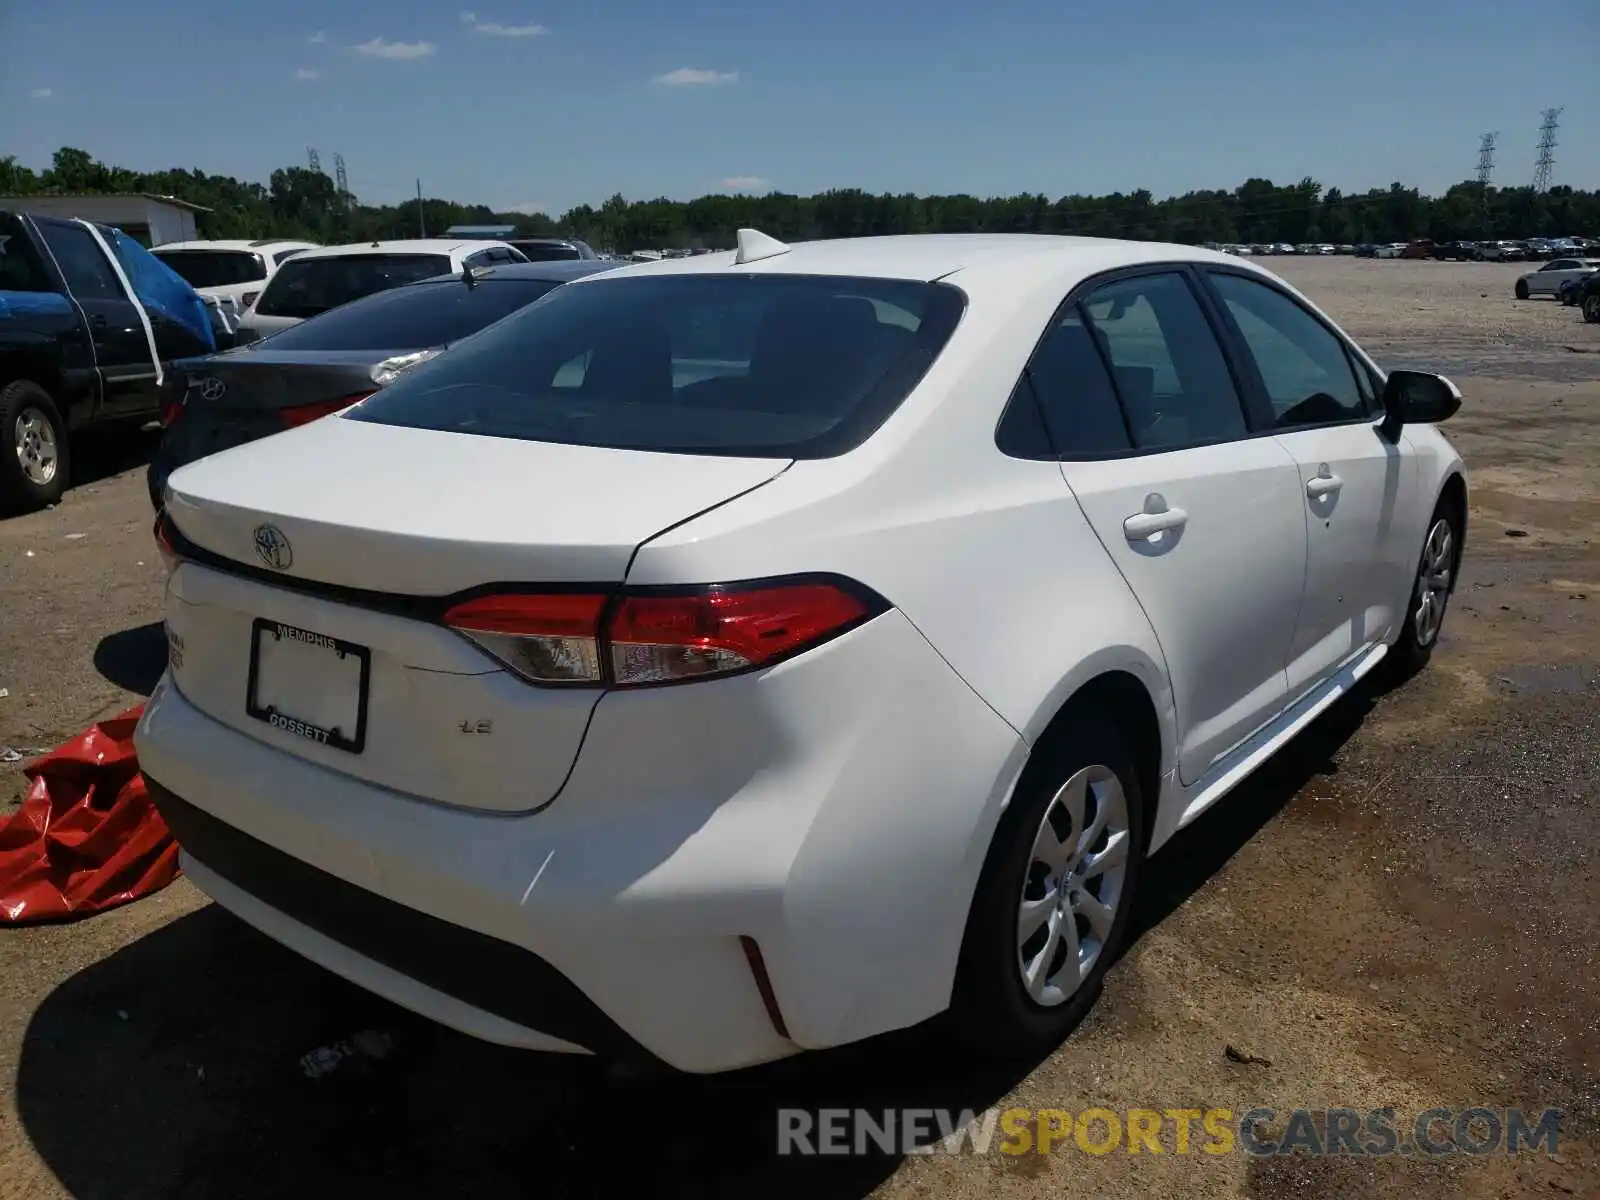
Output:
x=306 y=413
x=655 y=636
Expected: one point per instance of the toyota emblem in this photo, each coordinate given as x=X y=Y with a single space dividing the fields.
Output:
x=211 y=388
x=273 y=548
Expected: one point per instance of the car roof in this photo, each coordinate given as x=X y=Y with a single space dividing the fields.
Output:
x=560 y=271
x=235 y=244
x=402 y=246
x=931 y=256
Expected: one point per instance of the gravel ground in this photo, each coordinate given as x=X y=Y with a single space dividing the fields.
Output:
x=1401 y=910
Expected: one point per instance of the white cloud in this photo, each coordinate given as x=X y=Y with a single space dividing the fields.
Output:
x=380 y=47
x=496 y=29
x=308 y=73
x=693 y=77
x=317 y=38
x=41 y=93
x=745 y=183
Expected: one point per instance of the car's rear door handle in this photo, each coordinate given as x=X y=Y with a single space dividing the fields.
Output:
x=1323 y=483
x=1143 y=526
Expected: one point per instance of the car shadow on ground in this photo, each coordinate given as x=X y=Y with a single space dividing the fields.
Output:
x=172 y=1068
x=133 y=659
x=99 y=454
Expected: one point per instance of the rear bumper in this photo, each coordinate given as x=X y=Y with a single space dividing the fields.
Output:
x=836 y=809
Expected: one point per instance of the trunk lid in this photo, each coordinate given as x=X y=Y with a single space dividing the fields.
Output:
x=409 y=515
x=420 y=512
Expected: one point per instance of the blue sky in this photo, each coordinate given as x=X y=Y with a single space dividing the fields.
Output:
x=551 y=103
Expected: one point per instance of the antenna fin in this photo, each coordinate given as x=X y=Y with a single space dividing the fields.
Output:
x=755 y=245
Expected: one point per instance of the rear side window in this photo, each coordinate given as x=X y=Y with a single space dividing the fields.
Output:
x=214 y=268
x=1167 y=366
x=416 y=317
x=305 y=287
x=84 y=265
x=777 y=366
x=20 y=269
x=1076 y=401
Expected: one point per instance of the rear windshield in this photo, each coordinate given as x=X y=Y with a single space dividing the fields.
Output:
x=547 y=251
x=414 y=317
x=214 y=268
x=304 y=287
x=774 y=366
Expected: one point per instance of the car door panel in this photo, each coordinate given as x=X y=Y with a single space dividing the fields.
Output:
x=1201 y=518
x=122 y=348
x=1212 y=543
x=1353 y=481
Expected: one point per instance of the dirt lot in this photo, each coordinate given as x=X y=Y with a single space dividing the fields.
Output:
x=1403 y=910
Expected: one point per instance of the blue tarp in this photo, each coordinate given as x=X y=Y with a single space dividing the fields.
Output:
x=161 y=289
x=22 y=303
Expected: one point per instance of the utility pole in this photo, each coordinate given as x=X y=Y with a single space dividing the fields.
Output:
x=422 y=225
x=1547 y=150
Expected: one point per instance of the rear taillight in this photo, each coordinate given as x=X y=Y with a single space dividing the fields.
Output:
x=171 y=410
x=164 y=543
x=653 y=636
x=304 y=414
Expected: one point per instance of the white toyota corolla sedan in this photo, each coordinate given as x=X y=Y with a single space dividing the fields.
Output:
x=761 y=651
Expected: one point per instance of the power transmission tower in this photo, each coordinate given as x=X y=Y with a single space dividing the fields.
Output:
x=1486 y=157
x=316 y=163
x=1547 y=150
x=341 y=181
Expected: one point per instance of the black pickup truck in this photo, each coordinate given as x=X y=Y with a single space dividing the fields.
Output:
x=77 y=347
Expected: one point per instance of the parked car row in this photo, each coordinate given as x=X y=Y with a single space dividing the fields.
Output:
x=1532 y=249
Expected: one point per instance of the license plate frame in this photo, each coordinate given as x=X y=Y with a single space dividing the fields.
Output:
x=262 y=628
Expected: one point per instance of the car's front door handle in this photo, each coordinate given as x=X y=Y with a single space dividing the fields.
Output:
x=1143 y=526
x=1323 y=484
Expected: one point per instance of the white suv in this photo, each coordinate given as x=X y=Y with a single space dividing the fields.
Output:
x=229 y=275
x=333 y=275
x=761 y=651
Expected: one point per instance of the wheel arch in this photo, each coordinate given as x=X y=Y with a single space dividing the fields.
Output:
x=1453 y=494
x=1127 y=696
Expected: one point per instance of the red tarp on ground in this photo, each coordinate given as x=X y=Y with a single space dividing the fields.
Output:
x=87 y=837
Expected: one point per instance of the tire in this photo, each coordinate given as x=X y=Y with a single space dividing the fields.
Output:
x=1591 y=308
x=992 y=1008
x=33 y=448
x=1522 y=289
x=1420 y=633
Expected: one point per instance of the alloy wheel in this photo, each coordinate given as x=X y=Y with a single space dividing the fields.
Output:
x=1073 y=885
x=34 y=438
x=1433 y=581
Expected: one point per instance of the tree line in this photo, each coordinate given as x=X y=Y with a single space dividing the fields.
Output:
x=300 y=203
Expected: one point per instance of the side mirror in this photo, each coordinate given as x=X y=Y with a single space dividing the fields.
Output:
x=1417 y=398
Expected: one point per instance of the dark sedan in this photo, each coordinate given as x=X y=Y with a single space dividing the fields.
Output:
x=329 y=362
